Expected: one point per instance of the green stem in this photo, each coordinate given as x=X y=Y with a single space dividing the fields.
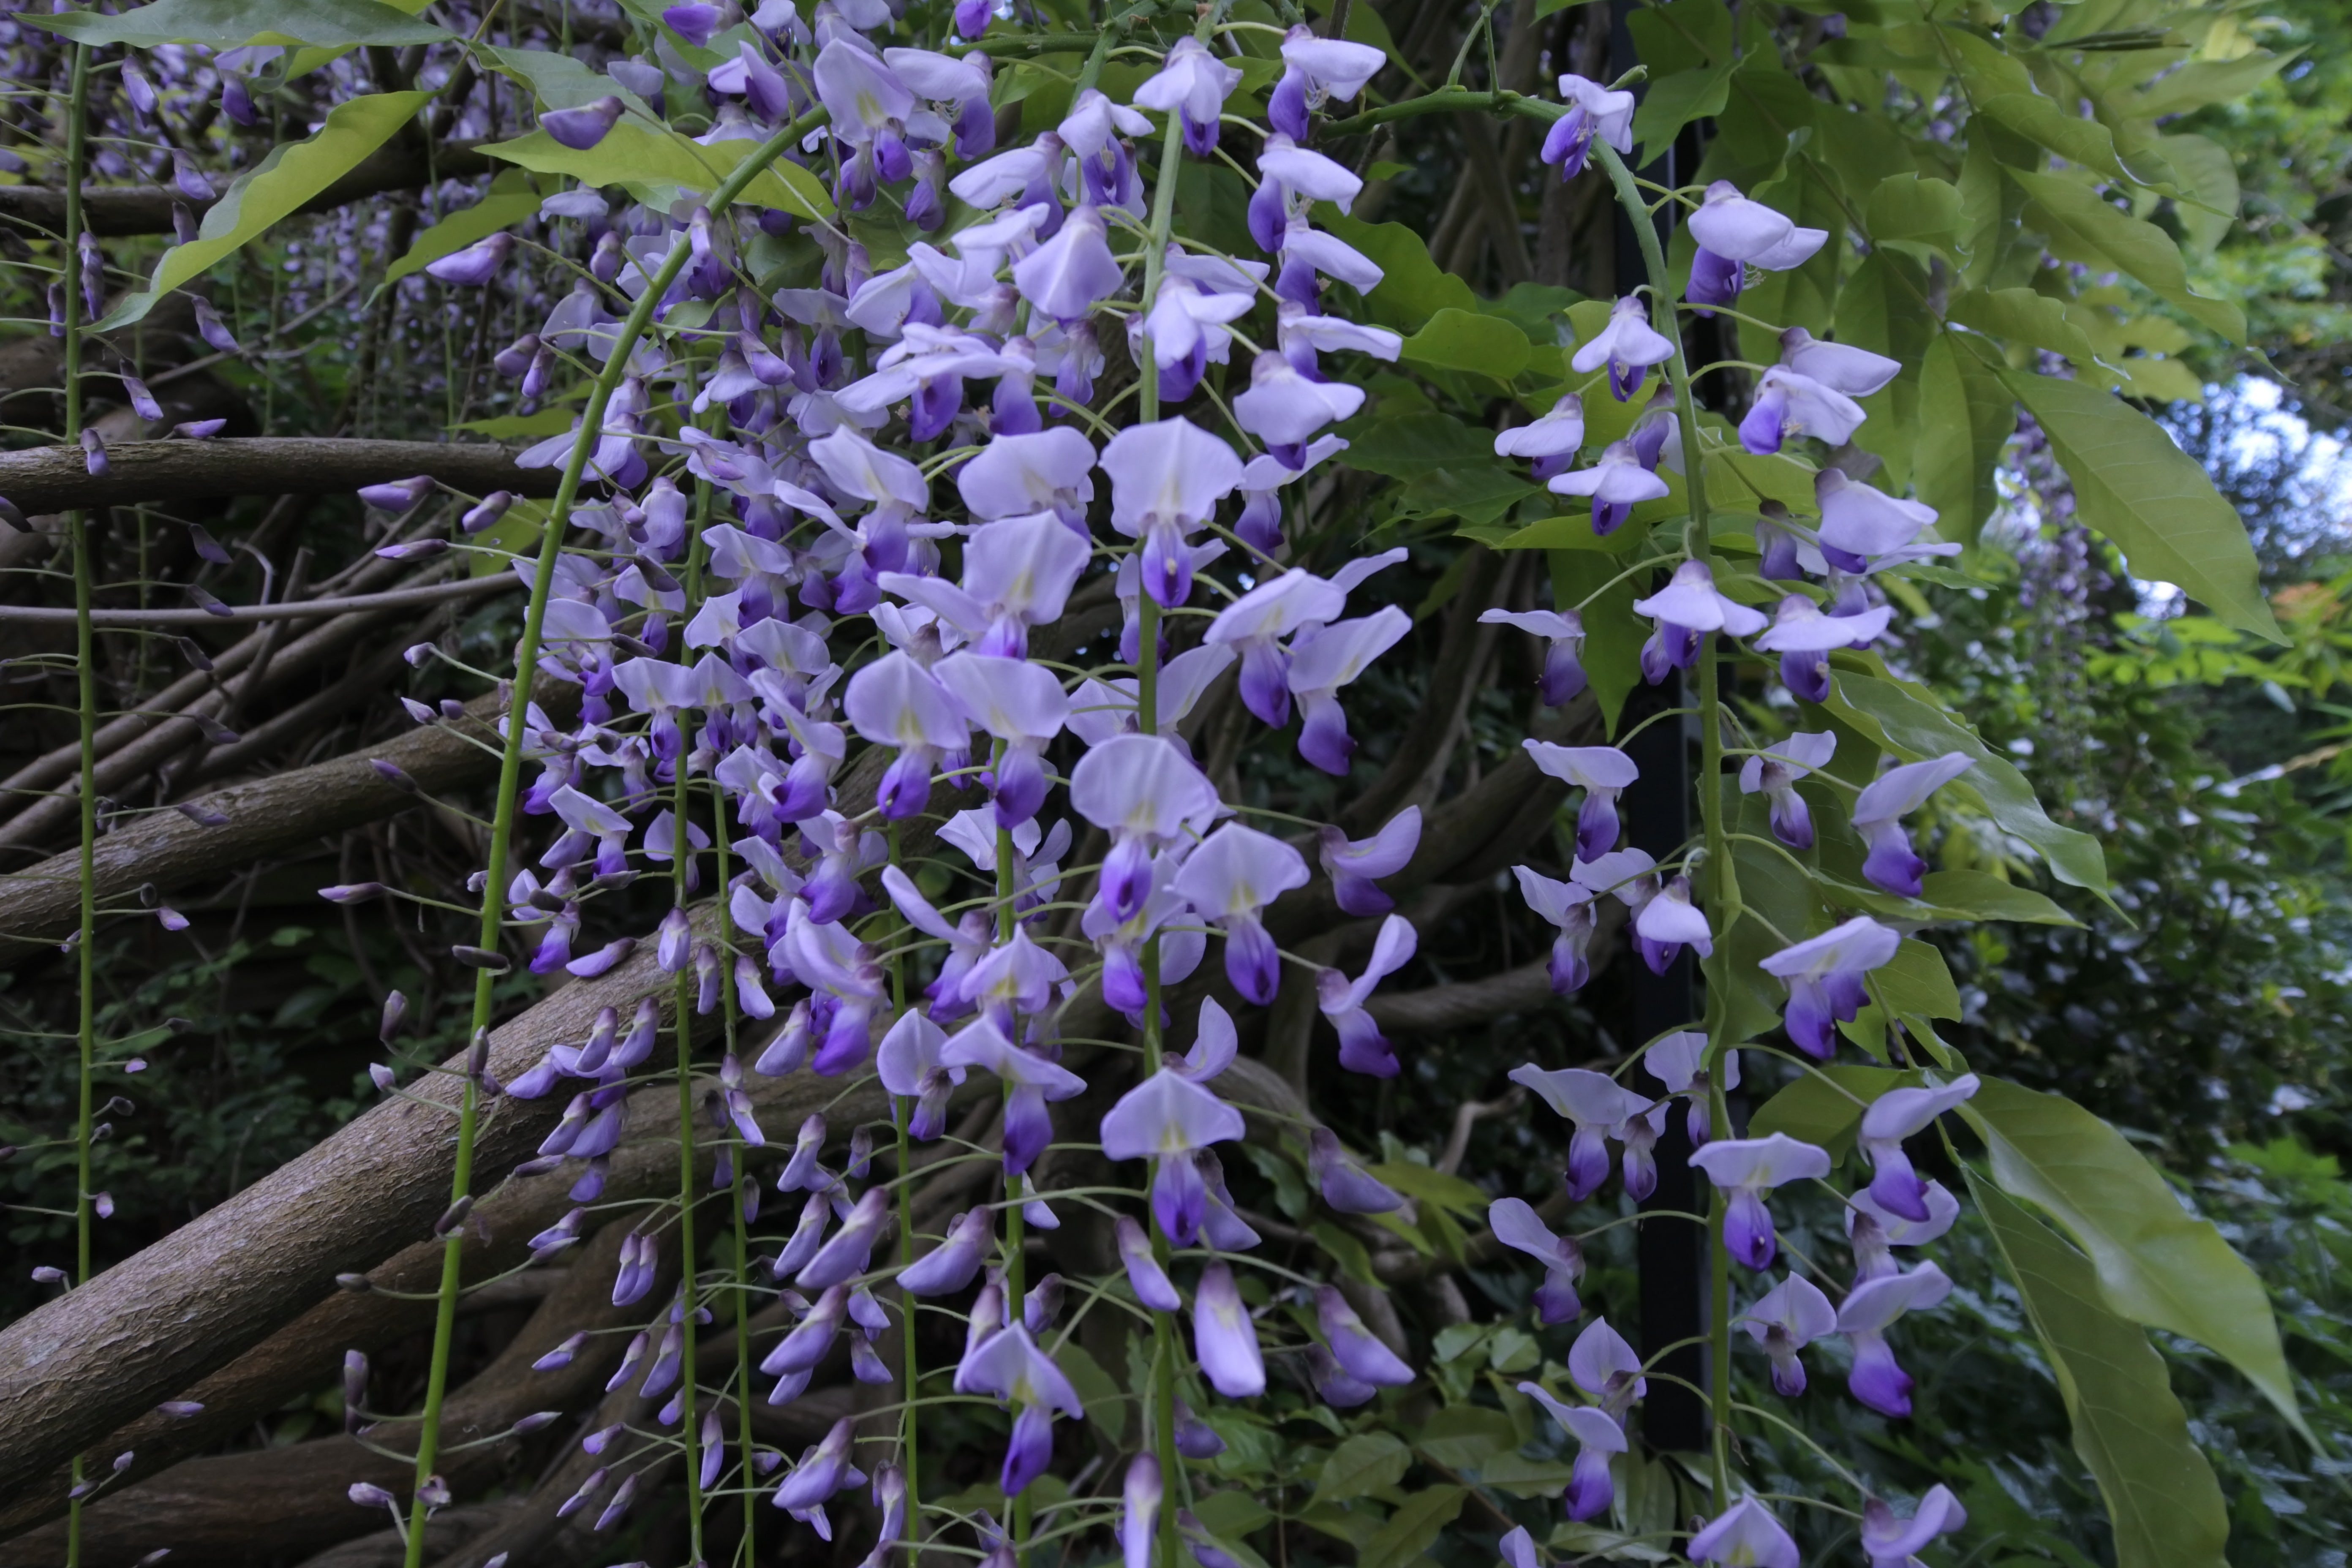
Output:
x=1718 y=893
x=551 y=547
x=85 y=686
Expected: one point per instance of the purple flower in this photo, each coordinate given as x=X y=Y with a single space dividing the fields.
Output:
x=1314 y=70
x=1775 y=772
x=1592 y=111
x=1598 y=1436
x=1784 y=1320
x=476 y=265
x=843 y=1257
x=1862 y=523
x=1598 y=1105
x=1285 y=408
x=1824 y=976
x=1745 y=1535
x=1066 y=277
x=1345 y=1184
x=581 y=129
x=1253 y=625
x=1019 y=476
x=895 y=701
x=1517 y=1225
x=1224 y=1341
x=1229 y=879
x=1009 y=1366
x=1628 y=345
x=1895 y=1543
x=1017 y=574
x=1363 y=1048
x=1165 y=1118
x=1332 y=659
x=1602 y=773
x=1856 y=372
x=1687 y=608
x=1602 y=1364
x=1019 y=704
x=1166 y=479
x=950 y=1265
x=1676 y=1061
x=824 y=1469
x=1353 y=865
x=1552 y=442
x=1616 y=482
x=1746 y=1169
x=1667 y=924
x=1788 y=404
x=1144 y=790
x=1569 y=909
x=1144 y=1275
x=1563 y=631
x=1804 y=638
x=1897 y=1114
x=1139 y=1519
x=1870 y=1309
x=1878 y=816
x=1192 y=84
x=1872 y=1230
x=1353 y=1345
x=1029 y=1079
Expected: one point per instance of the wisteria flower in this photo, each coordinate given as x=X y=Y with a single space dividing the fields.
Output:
x=1841 y=367
x=1229 y=879
x=1592 y=111
x=1356 y=865
x=1897 y=1114
x=1315 y=71
x=1598 y=1105
x=1668 y=922
x=1774 y=773
x=1191 y=84
x=1602 y=773
x=1164 y=1119
x=1224 y=1341
x=1873 y=1230
x=1784 y=1320
x=1598 y=1436
x=1678 y=1061
x=1333 y=658
x=1688 y=607
x=1363 y=1048
x=1746 y=1168
x=895 y=701
x=1870 y=1309
x=1166 y=479
x=1804 y=638
x=1890 y=1541
x=1563 y=633
x=1878 y=816
x=1517 y=1225
x=1745 y=1535
x=1824 y=976
x=1628 y=345
x=1010 y=1365
x=1029 y=1079
x=1023 y=706
x=1862 y=524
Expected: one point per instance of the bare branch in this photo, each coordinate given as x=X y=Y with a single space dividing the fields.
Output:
x=57 y=479
x=109 y=211
x=293 y=610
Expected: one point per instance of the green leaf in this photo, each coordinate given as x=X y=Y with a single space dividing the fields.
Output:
x=2082 y=226
x=1813 y=1109
x=1524 y=1478
x=510 y=200
x=2157 y=1264
x=1346 y=1251
x=1966 y=417
x=1404 y=445
x=1412 y=288
x=293 y=174
x=2024 y=317
x=2197 y=83
x=1688 y=46
x=1232 y=1514
x=1918 y=214
x=2162 y=1500
x=634 y=153
x=1916 y=981
x=2041 y=121
x=1465 y=340
x=1907 y=721
x=1431 y=1186
x=2206 y=173
x=558 y=81
x=1783 y=896
x=232 y=24
x=1412 y=1529
x=1612 y=643
x=1106 y=1406
x=1981 y=895
x=1463 y=1436
x=2141 y=490
x=1363 y=1464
